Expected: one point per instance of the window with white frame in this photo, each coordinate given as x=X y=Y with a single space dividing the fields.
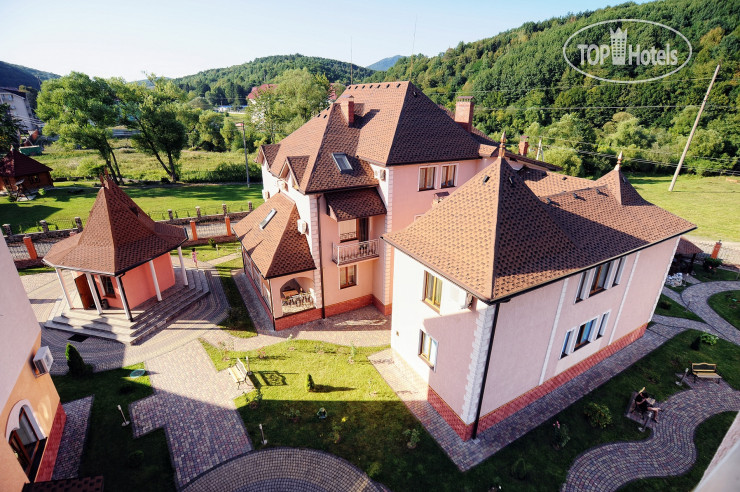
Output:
x=585 y=334
x=427 y=348
x=567 y=348
x=426 y=178
x=602 y=324
x=618 y=274
x=448 y=176
x=582 y=291
x=598 y=280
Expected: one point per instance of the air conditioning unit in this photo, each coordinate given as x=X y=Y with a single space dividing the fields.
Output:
x=302 y=226
x=380 y=174
x=43 y=360
x=265 y=195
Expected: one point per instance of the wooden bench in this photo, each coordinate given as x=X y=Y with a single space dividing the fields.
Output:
x=705 y=370
x=238 y=373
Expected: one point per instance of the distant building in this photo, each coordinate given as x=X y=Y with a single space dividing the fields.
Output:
x=19 y=172
x=31 y=416
x=258 y=90
x=20 y=109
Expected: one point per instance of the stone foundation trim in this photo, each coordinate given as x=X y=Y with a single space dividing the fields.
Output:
x=350 y=305
x=297 y=319
x=508 y=409
x=49 y=459
x=383 y=308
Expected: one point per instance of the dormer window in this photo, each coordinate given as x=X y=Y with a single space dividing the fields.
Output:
x=267 y=219
x=342 y=163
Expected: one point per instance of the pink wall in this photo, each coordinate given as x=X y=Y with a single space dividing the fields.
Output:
x=304 y=280
x=138 y=282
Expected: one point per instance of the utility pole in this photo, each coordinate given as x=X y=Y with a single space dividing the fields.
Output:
x=246 y=156
x=539 y=150
x=693 y=129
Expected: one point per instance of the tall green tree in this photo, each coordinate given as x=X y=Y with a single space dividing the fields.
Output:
x=9 y=129
x=81 y=111
x=154 y=114
x=301 y=95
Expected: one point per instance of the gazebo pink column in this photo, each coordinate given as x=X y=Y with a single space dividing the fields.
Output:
x=182 y=266
x=154 y=278
x=64 y=287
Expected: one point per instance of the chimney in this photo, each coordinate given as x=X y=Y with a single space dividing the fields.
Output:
x=464 y=112
x=347 y=104
x=523 y=145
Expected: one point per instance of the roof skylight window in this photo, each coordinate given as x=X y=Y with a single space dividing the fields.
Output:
x=267 y=219
x=342 y=163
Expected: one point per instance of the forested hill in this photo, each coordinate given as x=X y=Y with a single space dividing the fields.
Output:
x=525 y=68
x=16 y=75
x=385 y=63
x=266 y=70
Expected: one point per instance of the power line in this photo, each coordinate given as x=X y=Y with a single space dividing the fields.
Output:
x=722 y=159
x=566 y=108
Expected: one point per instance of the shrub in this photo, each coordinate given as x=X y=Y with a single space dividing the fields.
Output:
x=11 y=198
x=293 y=414
x=696 y=344
x=254 y=398
x=211 y=243
x=664 y=305
x=135 y=459
x=519 y=469
x=560 y=435
x=77 y=366
x=710 y=264
x=414 y=437
x=708 y=338
x=598 y=415
x=374 y=469
x=310 y=386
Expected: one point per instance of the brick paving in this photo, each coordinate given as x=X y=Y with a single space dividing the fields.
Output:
x=73 y=438
x=668 y=451
x=285 y=469
x=673 y=295
x=194 y=404
x=695 y=298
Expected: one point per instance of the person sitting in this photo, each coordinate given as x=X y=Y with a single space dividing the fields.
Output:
x=643 y=403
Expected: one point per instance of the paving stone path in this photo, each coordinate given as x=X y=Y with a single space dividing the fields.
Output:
x=668 y=451
x=69 y=457
x=285 y=469
x=194 y=404
x=695 y=298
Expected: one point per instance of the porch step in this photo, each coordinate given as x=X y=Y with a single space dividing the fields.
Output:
x=149 y=318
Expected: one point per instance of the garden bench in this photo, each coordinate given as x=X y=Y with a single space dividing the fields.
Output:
x=238 y=373
x=705 y=370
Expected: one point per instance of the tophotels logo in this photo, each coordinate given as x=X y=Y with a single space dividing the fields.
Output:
x=617 y=59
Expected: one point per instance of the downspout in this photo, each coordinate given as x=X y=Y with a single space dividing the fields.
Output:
x=321 y=267
x=485 y=373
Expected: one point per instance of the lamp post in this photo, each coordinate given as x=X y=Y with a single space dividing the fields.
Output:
x=685 y=372
x=246 y=156
x=264 y=441
x=125 y=422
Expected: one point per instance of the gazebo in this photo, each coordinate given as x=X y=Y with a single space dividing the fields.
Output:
x=122 y=257
x=19 y=172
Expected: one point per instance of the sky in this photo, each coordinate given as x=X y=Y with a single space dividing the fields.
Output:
x=131 y=38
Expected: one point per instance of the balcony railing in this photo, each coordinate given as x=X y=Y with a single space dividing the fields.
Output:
x=350 y=253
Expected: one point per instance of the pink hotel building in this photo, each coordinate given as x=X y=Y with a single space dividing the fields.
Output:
x=506 y=280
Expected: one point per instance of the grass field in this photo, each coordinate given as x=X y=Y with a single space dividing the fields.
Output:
x=136 y=165
x=726 y=305
x=710 y=203
x=59 y=206
x=366 y=420
x=668 y=307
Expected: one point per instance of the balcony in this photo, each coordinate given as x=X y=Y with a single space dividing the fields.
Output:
x=350 y=253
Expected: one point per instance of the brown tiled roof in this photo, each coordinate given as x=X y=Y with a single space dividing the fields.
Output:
x=354 y=204
x=278 y=249
x=257 y=90
x=270 y=151
x=543 y=183
x=495 y=237
x=16 y=165
x=118 y=237
x=297 y=166
x=394 y=123
x=686 y=247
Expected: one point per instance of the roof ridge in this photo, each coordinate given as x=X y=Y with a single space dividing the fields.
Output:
x=311 y=164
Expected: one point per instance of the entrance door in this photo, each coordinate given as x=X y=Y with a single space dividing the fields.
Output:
x=84 y=290
x=363 y=229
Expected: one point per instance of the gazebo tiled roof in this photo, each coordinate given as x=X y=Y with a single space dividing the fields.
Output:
x=118 y=236
x=16 y=165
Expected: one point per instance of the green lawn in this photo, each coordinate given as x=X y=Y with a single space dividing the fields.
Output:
x=238 y=322
x=720 y=274
x=136 y=165
x=726 y=305
x=370 y=419
x=710 y=203
x=34 y=270
x=712 y=431
x=59 y=206
x=668 y=307
x=109 y=445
